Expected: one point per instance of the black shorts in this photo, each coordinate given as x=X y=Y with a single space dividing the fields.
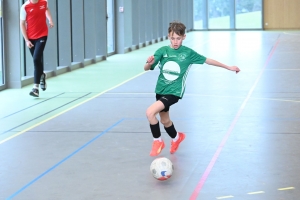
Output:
x=167 y=100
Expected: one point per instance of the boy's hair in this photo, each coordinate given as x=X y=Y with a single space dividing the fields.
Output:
x=177 y=27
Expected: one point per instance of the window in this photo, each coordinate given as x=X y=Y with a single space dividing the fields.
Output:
x=220 y=14
x=248 y=14
x=1 y=46
x=200 y=14
x=227 y=14
x=110 y=27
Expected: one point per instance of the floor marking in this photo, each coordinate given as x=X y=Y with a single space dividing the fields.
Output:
x=287 y=188
x=290 y=33
x=93 y=97
x=31 y=106
x=258 y=192
x=63 y=160
x=44 y=114
x=291 y=69
x=225 y=197
x=206 y=95
x=282 y=69
x=224 y=140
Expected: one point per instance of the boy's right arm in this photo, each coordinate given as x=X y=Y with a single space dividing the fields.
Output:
x=153 y=60
x=149 y=62
x=49 y=17
x=24 y=33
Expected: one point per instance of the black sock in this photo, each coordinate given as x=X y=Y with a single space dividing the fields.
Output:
x=155 y=130
x=171 y=131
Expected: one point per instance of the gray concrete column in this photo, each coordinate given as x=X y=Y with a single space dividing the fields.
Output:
x=12 y=44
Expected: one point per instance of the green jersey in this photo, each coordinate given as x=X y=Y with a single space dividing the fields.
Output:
x=174 y=65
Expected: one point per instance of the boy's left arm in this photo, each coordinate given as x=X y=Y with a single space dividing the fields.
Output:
x=218 y=64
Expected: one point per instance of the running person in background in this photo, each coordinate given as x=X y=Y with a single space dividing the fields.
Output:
x=174 y=62
x=33 y=14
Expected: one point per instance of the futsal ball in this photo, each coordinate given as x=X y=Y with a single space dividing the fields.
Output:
x=161 y=168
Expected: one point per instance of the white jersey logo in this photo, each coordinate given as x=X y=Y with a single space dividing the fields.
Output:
x=182 y=57
x=171 y=70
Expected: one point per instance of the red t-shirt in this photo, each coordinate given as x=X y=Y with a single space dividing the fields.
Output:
x=35 y=16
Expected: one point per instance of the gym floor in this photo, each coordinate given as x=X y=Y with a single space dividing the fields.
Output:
x=87 y=136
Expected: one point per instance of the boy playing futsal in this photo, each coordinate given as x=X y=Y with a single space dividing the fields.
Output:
x=174 y=62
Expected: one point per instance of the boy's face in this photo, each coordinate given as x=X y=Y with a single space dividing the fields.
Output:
x=176 y=40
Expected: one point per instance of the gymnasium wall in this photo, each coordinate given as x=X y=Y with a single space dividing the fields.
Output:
x=281 y=14
x=143 y=22
x=79 y=37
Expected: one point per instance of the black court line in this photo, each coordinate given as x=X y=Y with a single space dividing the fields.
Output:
x=279 y=36
x=31 y=106
x=273 y=46
x=44 y=114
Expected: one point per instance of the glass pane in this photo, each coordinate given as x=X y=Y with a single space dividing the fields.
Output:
x=248 y=14
x=110 y=27
x=1 y=63
x=200 y=14
x=219 y=14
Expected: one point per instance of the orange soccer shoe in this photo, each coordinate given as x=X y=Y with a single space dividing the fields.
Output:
x=157 y=146
x=175 y=145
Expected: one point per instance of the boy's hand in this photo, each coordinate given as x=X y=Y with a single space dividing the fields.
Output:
x=29 y=44
x=51 y=24
x=235 y=68
x=150 y=60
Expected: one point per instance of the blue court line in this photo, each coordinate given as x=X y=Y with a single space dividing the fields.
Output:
x=63 y=160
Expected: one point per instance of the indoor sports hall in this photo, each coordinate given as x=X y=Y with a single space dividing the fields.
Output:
x=87 y=137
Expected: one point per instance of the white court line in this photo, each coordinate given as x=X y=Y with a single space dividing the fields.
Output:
x=291 y=33
x=282 y=69
x=225 y=197
x=203 y=95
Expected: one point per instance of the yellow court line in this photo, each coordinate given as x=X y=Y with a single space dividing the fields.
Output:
x=287 y=188
x=15 y=135
x=258 y=192
x=225 y=197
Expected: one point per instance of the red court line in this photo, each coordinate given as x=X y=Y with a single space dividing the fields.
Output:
x=233 y=123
